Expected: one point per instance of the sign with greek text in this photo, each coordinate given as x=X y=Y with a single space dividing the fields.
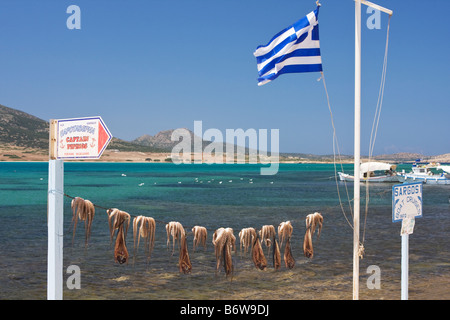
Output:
x=406 y=201
x=82 y=138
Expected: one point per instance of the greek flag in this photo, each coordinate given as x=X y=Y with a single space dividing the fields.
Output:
x=293 y=50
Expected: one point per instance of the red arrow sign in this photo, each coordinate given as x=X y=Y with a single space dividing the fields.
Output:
x=103 y=137
x=82 y=138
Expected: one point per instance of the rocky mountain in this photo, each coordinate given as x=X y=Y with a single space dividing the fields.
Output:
x=160 y=140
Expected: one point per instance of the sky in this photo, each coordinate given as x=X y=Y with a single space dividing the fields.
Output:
x=150 y=65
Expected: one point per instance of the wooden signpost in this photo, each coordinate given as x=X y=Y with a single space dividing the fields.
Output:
x=70 y=139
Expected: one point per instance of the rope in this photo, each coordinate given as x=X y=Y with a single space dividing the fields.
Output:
x=336 y=144
x=104 y=208
x=376 y=121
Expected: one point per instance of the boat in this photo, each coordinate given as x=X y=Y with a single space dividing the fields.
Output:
x=427 y=173
x=374 y=172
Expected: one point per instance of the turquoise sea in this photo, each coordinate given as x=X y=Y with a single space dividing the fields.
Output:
x=215 y=196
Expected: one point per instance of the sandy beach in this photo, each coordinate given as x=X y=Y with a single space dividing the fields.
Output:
x=15 y=153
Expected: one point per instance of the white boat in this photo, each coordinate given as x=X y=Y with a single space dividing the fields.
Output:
x=373 y=172
x=429 y=174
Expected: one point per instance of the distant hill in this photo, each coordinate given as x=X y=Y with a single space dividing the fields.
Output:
x=401 y=157
x=161 y=140
x=22 y=129
x=19 y=129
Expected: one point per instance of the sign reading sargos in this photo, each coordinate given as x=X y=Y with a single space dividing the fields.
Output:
x=406 y=201
x=82 y=138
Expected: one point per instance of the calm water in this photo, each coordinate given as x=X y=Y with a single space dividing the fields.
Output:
x=216 y=196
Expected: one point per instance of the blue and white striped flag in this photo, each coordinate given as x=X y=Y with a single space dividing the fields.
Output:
x=295 y=49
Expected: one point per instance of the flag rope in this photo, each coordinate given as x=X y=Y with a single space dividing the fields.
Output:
x=376 y=121
x=336 y=145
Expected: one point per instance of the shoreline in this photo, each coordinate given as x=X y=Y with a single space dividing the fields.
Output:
x=22 y=154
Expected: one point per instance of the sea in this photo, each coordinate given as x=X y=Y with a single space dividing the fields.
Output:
x=236 y=196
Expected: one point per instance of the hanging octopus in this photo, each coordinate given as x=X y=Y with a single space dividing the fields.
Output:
x=246 y=237
x=284 y=234
x=84 y=210
x=268 y=235
x=258 y=258
x=176 y=231
x=224 y=242
x=200 y=235
x=276 y=255
x=144 y=227
x=119 y=220
x=312 y=220
x=184 y=262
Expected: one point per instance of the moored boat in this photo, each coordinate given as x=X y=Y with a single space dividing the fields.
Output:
x=426 y=173
x=373 y=172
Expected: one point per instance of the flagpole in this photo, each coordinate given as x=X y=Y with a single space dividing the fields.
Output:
x=357 y=149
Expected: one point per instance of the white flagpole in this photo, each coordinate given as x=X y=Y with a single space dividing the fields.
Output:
x=357 y=150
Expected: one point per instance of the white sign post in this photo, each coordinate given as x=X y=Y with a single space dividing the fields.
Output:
x=84 y=138
x=406 y=206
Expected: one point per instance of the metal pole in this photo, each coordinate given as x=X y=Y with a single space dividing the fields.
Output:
x=405 y=266
x=356 y=174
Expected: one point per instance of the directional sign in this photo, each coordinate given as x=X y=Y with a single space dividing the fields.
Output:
x=81 y=138
x=406 y=201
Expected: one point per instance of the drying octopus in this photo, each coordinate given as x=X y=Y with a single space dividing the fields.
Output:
x=224 y=242
x=246 y=236
x=176 y=231
x=119 y=220
x=284 y=234
x=268 y=235
x=312 y=221
x=200 y=235
x=84 y=210
x=258 y=258
x=144 y=227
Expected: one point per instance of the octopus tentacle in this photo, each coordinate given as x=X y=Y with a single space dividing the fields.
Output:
x=184 y=261
x=258 y=257
x=200 y=236
x=84 y=210
x=276 y=255
x=267 y=234
x=289 y=260
x=119 y=220
x=285 y=230
x=176 y=231
x=144 y=227
x=224 y=242
x=312 y=221
x=246 y=237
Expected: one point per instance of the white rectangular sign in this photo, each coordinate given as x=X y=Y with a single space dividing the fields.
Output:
x=81 y=138
x=406 y=201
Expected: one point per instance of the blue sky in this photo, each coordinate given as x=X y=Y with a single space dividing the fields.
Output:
x=153 y=65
